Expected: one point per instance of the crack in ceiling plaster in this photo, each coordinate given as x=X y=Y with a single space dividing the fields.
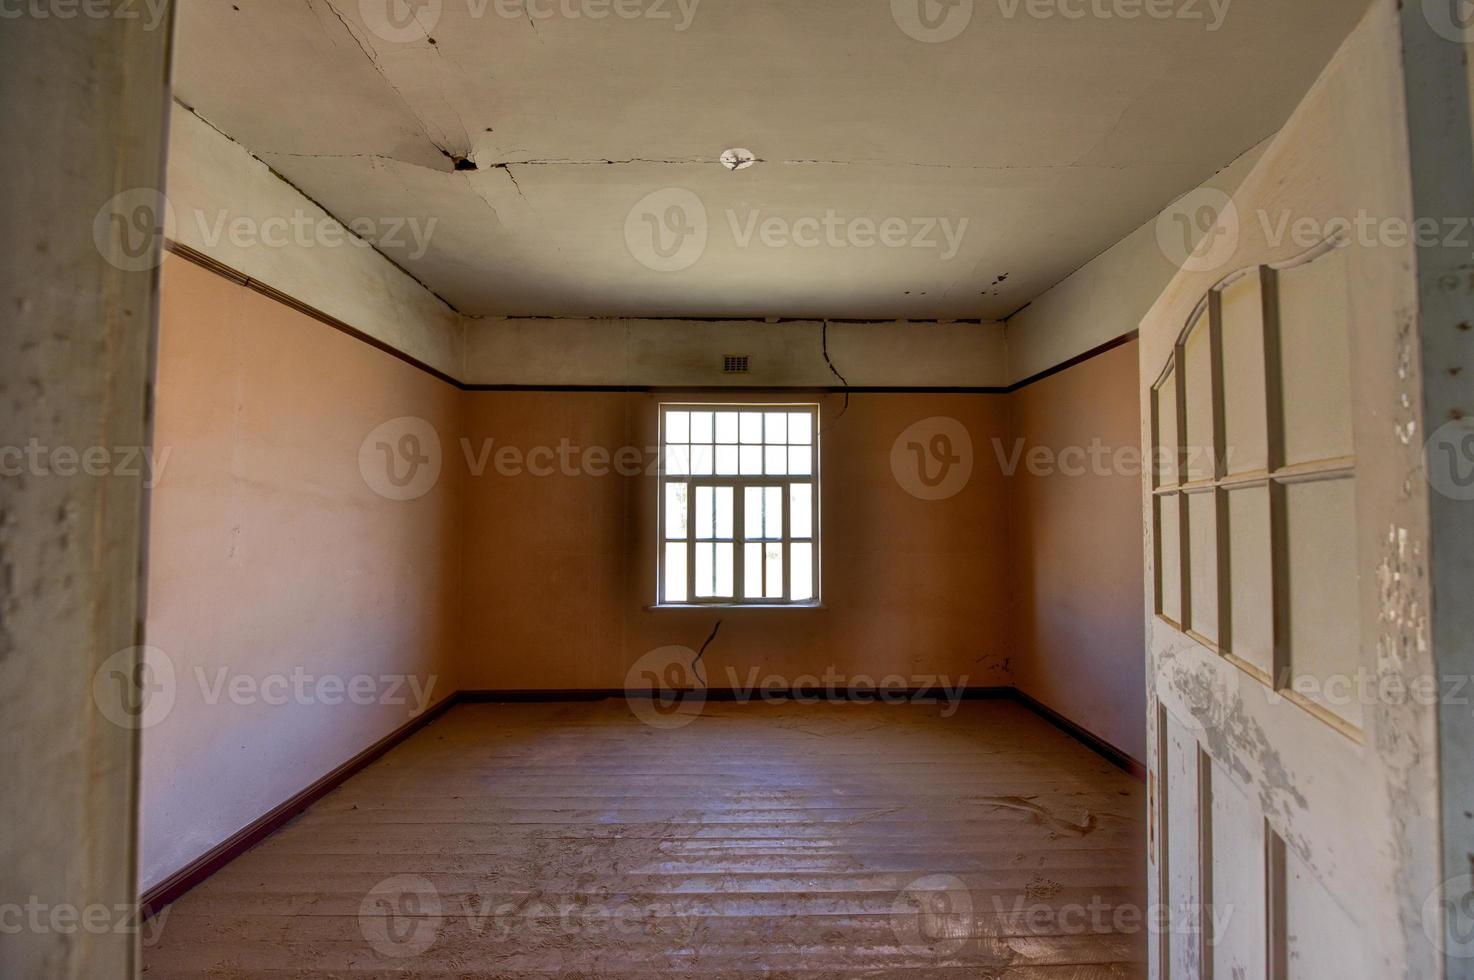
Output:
x=1057 y=152
x=379 y=70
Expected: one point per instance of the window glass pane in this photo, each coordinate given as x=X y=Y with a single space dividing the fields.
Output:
x=724 y=570
x=705 y=579
x=763 y=512
x=752 y=427
x=675 y=510
x=752 y=571
x=705 y=512
x=708 y=444
x=675 y=571
x=802 y=556
x=701 y=461
x=799 y=458
x=752 y=461
x=724 y=512
x=774 y=561
x=726 y=460
x=775 y=427
x=801 y=511
x=772 y=512
x=714 y=570
x=726 y=427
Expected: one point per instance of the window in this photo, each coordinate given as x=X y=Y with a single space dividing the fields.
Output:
x=739 y=507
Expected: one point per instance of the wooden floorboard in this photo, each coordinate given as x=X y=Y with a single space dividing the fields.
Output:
x=789 y=840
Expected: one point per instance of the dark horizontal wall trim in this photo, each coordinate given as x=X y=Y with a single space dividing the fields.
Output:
x=174 y=886
x=1109 y=345
x=718 y=389
x=733 y=694
x=221 y=269
x=181 y=881
x=763 y=320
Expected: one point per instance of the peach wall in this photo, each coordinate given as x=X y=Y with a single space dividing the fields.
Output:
x=269 y=555
x=560 y=570
x=1076 y=550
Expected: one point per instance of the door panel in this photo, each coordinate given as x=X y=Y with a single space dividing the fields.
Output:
x=1322 y=937
x=1270 y=569
x=1238 y=895
x=1294 y=781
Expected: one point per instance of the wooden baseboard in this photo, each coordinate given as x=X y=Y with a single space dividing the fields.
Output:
x=1113 y=755
x=262 y=827
x=172 y=887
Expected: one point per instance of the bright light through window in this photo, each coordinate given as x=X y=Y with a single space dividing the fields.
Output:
x=739 y=504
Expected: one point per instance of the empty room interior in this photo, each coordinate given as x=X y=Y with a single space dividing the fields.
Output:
x=728 y=488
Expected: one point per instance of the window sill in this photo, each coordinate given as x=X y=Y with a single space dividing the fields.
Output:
x=661 y=606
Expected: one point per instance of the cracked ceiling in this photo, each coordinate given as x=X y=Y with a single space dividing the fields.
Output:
x=1050 y=138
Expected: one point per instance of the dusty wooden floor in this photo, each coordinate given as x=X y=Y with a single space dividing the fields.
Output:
x=571 y=840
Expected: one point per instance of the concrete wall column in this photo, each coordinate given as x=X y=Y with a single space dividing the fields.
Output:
x=85 y=97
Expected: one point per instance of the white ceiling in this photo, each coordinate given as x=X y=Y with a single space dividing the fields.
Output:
x=1052 y=137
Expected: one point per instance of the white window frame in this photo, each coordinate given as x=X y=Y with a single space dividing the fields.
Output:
x=739 y=484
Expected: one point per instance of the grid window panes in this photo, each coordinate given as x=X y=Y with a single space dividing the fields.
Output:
x=739 y=504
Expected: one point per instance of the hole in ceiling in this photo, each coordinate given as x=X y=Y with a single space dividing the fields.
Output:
x=737 y=158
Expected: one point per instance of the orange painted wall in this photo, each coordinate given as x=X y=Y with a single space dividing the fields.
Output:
x=270 y=557
x=271 y=554
x=560 y=570
x=1076 y=549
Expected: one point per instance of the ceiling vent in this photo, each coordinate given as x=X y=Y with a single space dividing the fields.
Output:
x=734 y=363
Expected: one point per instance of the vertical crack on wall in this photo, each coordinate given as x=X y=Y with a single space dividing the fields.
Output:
x=533 y=24
x=696 y=667
x=824 y=349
